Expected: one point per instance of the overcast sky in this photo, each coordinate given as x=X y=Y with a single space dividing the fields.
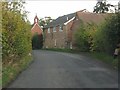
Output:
x=56 y=8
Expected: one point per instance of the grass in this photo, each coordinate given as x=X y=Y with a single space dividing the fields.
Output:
x=11 y=71
x=61 y=50
x=105 y=58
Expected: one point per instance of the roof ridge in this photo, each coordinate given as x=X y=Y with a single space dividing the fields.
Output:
x=66 y=14
x=83 y=10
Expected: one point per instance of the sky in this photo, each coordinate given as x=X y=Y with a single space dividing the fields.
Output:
x=56 y=8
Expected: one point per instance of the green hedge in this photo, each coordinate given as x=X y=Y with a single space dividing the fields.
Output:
x=16 y=35
x=16 y=40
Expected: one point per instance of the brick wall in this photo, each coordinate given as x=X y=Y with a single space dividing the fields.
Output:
x=74 y=28
x=36 y=29
x=55 y=39
x=58 y=39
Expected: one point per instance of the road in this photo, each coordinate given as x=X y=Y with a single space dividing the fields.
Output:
x=65 y=70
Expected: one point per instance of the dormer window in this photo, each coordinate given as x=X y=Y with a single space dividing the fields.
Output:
x=48 y=30
x=54 y=29
x=60 y=28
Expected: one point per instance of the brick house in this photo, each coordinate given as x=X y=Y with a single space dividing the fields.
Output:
x=56 y=32
x=36 y=28
x=37 y=35
x=60 y=32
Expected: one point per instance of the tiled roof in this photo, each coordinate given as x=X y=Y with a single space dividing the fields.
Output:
x=84 y=15
x=87 y=17
x=60 y=20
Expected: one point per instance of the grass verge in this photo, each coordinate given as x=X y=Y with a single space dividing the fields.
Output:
x=108 y=59
x=11 y=71
x=61 y=50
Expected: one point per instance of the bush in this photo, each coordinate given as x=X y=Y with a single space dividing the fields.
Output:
x=16 y=35
x=16 y=41
x=100 y=38
x=81 y=38
x=108 y=35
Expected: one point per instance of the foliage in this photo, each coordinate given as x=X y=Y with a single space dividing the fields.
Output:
x=102 y=7
x=16 y=40
x=81 y=38
x=61 y=50
x=37 y=41
x=16 y=36
x=11 y=71
x=91 y=30
x=105 y=58
x=100 y=38
x=108 y=35
x=44 y=21
x=41 y=22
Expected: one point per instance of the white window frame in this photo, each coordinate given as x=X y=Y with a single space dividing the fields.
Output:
x=60 y=28
x=48 y=30
x=54 y=29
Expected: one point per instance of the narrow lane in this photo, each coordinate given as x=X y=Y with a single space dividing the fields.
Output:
x=64 y=70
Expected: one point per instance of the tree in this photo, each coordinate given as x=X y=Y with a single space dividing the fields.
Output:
x=102 y=7
x=44 y=21
x=41 y=22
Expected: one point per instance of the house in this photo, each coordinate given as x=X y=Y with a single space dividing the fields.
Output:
x=36 y=29
x=56 y=31
x=60 y=32
x=37 y=35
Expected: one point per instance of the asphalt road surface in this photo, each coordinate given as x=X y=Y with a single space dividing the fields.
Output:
x=64 y=70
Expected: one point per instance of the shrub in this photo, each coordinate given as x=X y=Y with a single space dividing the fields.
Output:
x=16 y=41
x=108 y=35
x=100 y=38
x=16 y=35
x=81 y=38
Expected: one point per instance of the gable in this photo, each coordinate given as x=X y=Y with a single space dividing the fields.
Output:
x=36 y=29
x=88 y=17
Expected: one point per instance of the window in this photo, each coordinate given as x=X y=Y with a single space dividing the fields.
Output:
x=55 y=43
x=48 y=30
x=54 y=29
x=36 y=20
x=60 y=28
